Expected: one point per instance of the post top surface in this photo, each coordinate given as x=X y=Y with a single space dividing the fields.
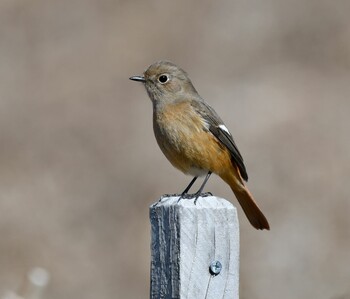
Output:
x=206 y=202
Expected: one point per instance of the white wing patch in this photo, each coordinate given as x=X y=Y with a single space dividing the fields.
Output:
x=223 y=127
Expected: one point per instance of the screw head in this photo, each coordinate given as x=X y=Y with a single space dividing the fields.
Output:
x=215 y=268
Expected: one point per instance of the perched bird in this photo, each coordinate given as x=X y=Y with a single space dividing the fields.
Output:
x=193 y=137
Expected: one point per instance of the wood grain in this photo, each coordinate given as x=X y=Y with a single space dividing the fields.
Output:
x=186 y=238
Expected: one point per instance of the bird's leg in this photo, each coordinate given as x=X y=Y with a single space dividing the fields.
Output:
x=199 y=192
x=182 y=195
x=187 y=188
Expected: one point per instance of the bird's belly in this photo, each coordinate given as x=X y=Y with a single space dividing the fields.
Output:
x=190 y=148
x=182 y=154
x=198 y=172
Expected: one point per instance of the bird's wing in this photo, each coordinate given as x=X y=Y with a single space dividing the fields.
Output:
x=218 y=129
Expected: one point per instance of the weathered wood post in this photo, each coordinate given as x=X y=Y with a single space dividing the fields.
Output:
x=195 y=249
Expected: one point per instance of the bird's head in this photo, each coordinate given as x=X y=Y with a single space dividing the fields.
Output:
x=166 y=82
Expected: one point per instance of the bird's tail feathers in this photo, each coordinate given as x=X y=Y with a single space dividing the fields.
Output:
x=250 y=208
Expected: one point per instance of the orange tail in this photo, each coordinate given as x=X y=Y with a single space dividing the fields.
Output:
x=251 y=209
x=245 y=199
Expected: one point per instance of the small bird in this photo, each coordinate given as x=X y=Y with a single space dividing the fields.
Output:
x=193 y=137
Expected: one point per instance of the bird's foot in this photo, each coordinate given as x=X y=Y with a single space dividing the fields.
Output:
x=166 y=196
x=206 y=194
x=194 y=195
x=169 y=195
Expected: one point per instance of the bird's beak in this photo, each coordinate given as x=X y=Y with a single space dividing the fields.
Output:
x=138 y=78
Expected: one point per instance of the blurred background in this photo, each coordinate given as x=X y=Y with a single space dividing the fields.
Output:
x=80 y=165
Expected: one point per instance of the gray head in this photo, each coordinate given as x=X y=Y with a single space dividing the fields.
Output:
x=166 y=82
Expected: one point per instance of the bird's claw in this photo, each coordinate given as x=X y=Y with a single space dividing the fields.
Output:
x=195 y=196
x=184 y=196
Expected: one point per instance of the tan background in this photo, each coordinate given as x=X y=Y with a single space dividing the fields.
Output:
x=80 y=165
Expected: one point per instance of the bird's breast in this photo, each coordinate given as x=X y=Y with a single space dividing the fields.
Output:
x=182 y=135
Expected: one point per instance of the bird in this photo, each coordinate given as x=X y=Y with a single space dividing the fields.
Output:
x=194 y=138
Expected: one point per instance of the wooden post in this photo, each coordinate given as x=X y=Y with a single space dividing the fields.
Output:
x=195 y=249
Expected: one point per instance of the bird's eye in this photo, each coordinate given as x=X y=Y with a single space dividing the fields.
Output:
x=163 y=78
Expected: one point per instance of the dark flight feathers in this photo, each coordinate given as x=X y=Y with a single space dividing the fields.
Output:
x=214 y=121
